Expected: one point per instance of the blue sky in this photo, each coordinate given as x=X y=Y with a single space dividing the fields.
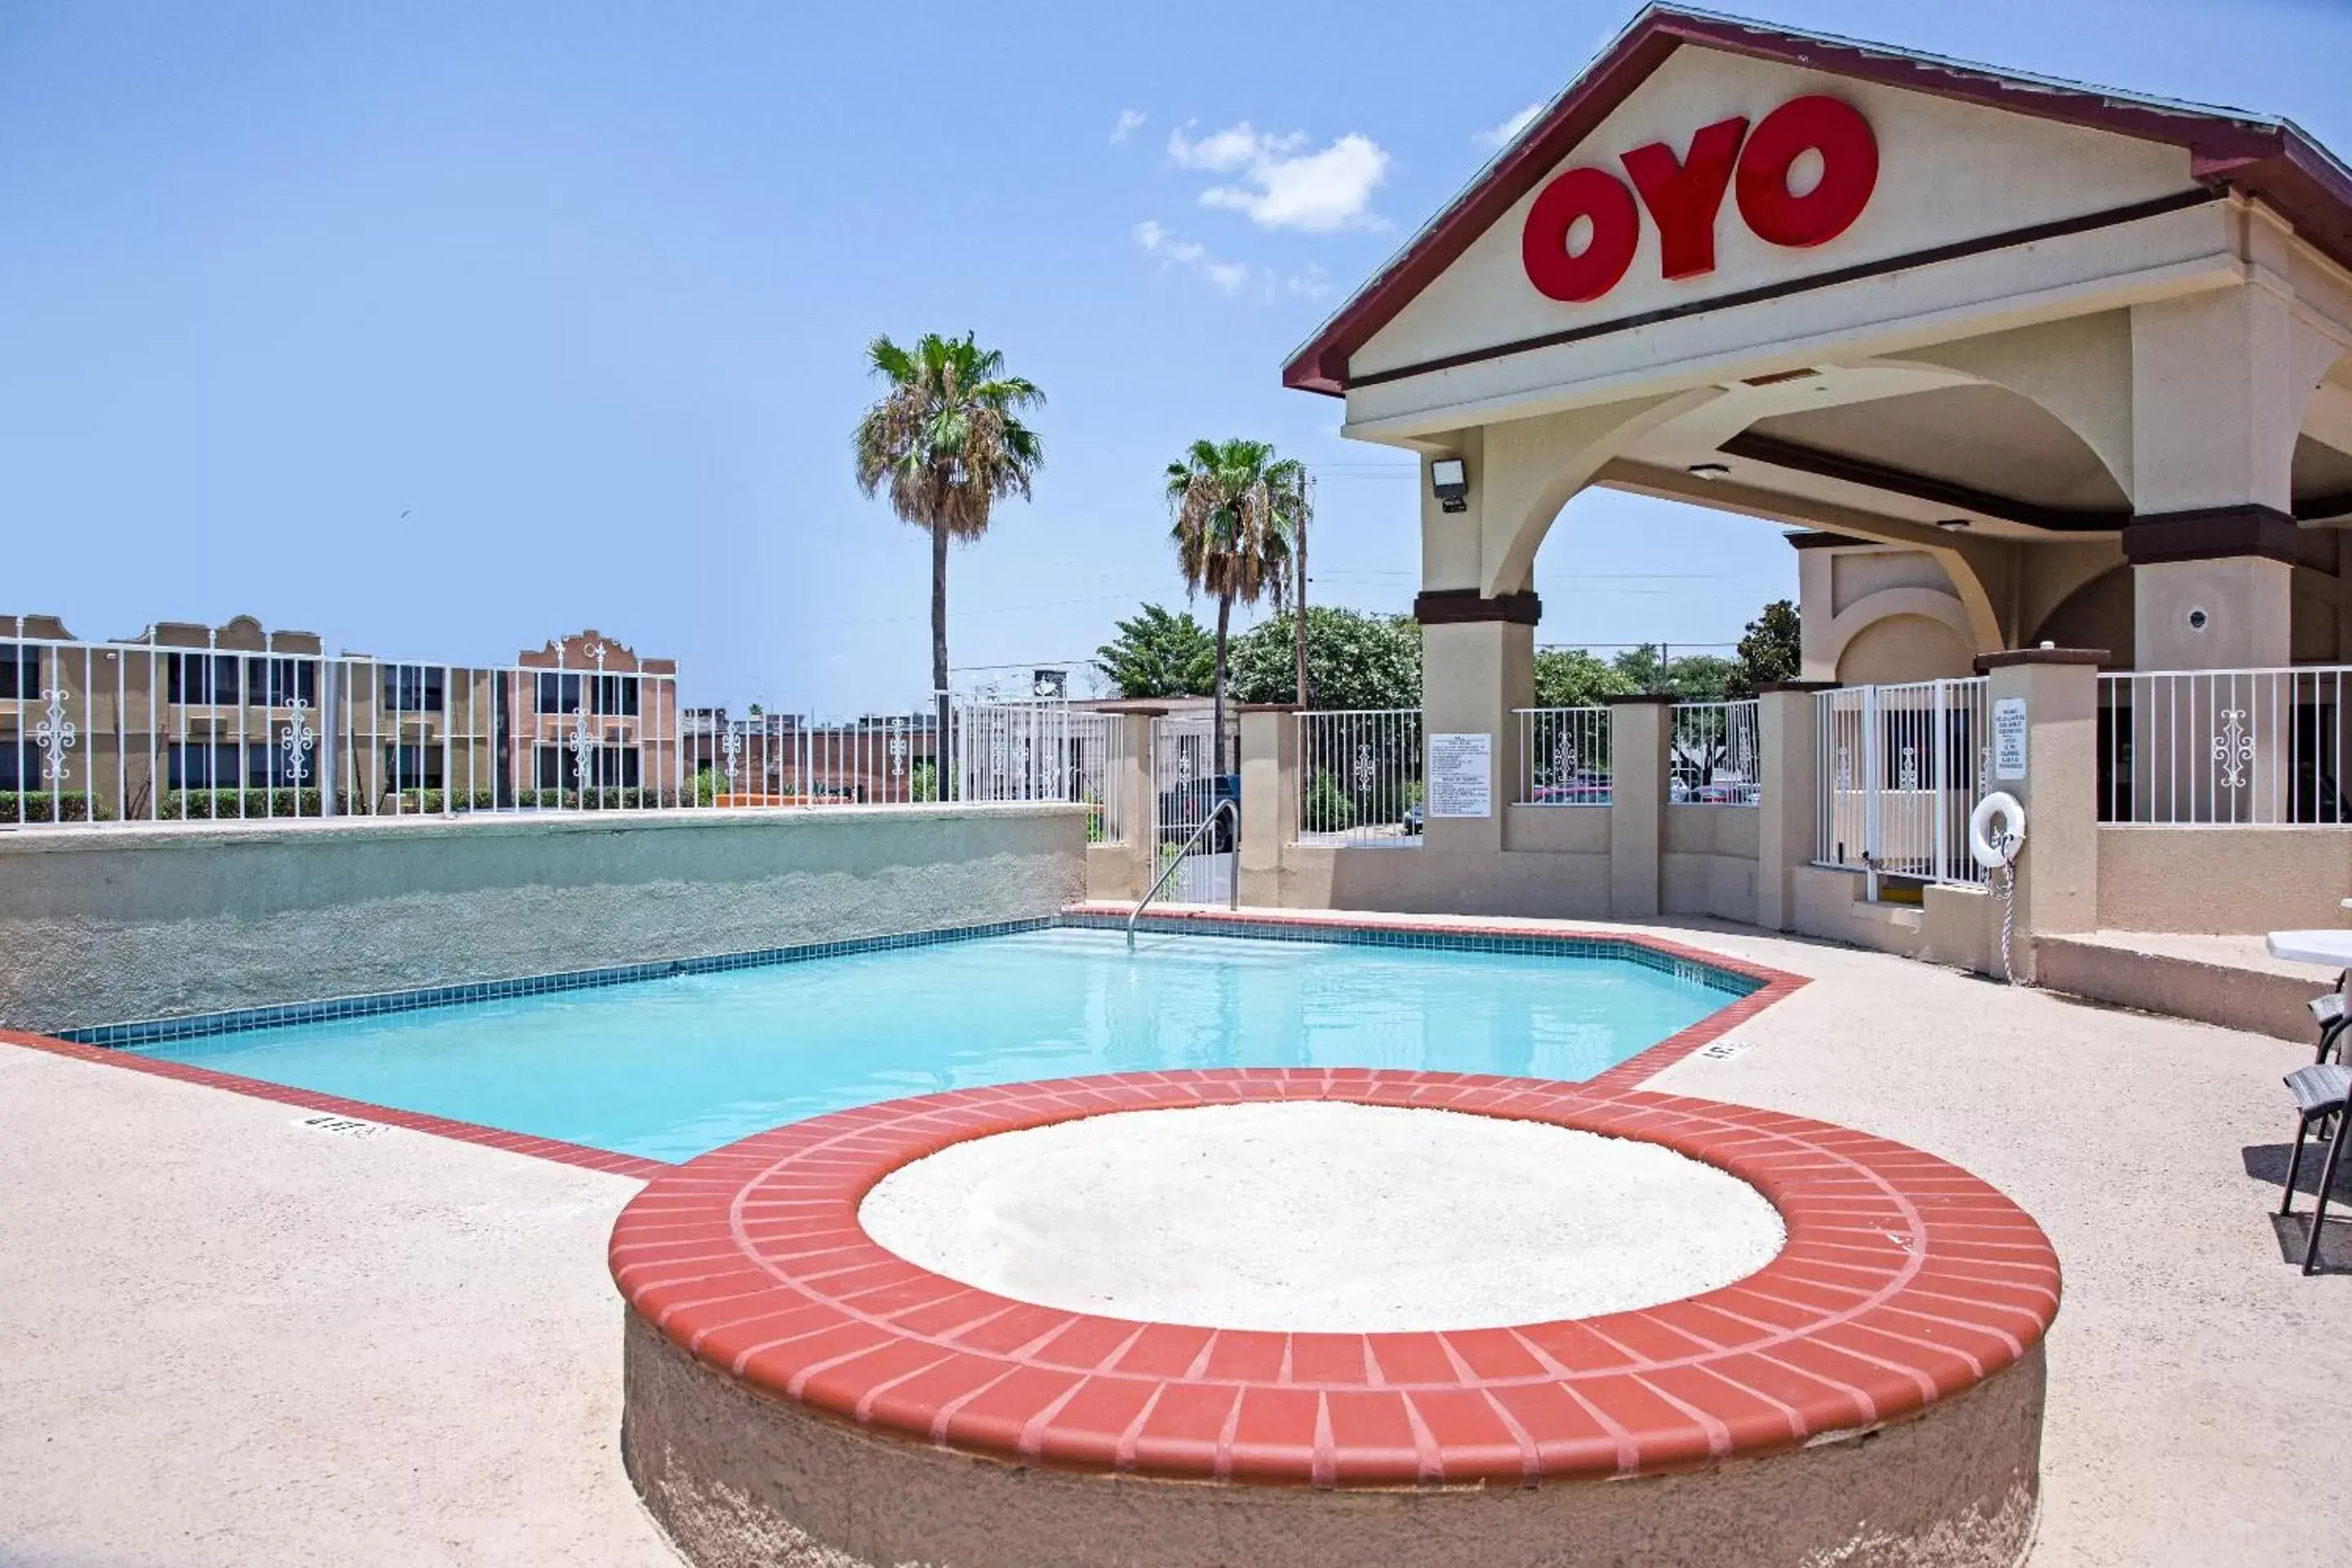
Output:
x=441 y=329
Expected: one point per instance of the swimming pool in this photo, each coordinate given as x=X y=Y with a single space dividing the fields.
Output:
x=670 y=1067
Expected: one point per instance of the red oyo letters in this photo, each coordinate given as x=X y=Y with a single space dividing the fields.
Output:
x=1684 y=193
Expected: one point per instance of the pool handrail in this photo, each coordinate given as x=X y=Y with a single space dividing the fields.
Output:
x=1233 y=890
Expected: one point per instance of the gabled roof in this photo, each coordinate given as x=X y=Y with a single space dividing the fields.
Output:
x=2270 y=159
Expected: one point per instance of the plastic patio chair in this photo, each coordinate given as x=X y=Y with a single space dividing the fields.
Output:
x=2320 y=1091
x=2332 y=1013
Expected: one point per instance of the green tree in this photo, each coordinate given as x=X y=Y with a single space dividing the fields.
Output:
x=1574 y=678
x=1235 y=508
x=948 y=441
x=1159 y=653
x=1354 y=659
x=1694 y=677
x=1772 y=649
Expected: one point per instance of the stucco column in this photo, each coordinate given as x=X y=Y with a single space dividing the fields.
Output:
x=1128 y=779
x=1784 y=823
x=2218 y=393
x=1269 y=786
x=2058 y=869
x=1638 y=733
x=1477 y=667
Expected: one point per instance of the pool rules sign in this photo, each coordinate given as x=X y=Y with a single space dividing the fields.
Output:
x=1462 y=775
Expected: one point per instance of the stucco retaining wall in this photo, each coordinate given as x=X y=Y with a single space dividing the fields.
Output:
x=151 y=923
x=743 y=1481
x=2222 y=879
x=1706 y=861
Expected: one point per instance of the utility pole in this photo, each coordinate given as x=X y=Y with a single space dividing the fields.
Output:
x=1306 y=510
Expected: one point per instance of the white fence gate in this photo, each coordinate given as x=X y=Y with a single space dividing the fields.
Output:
x=1899 y=769
x=1186 y=787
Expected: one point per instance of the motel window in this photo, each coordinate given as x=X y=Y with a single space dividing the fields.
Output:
x=20 y=671
x=413 y=767
x=280 y=682
x=267 y=766
x=203 y=765
x=559 y=694
x=612 y=695
x=617 y=694
x=612 y=767
x=203 y=679
x=15 y=758
x=412 y=688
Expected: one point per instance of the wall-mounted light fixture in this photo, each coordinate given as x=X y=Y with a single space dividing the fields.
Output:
x=1710 y=472
x=1449 y=481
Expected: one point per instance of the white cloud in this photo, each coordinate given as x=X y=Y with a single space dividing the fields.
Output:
x=1130 y=121
x=1312 y=284
x=1284 y=185
x=1174 y=250
x=1502 y=135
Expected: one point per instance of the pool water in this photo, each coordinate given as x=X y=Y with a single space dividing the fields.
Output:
x=670 y=1068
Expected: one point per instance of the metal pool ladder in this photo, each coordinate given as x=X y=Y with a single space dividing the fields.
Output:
x=1233 y=890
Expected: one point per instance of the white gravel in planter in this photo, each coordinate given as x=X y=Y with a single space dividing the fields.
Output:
x=1321 y=1215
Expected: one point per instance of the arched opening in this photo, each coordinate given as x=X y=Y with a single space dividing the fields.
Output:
x=1901 y=648
x=2097 y=615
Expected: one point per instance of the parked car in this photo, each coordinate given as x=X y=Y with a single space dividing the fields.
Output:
x=1583 y=789
x=1184 y=806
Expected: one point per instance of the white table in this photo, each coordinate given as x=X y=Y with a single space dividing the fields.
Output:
x=2333 y=948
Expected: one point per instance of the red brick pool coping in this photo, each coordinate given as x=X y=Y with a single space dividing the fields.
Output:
x=1904 y=1281
x=1635 y=1070
x=1772 y=985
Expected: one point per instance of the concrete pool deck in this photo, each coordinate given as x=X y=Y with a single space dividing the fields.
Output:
x=227 y=1338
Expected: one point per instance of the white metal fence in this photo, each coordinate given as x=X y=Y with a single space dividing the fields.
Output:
x=1563 y=757
x=1188 y=782
x=1100 y=745
x=2225 y=748
x=1359 y=777
x=1716 y=755
x=1900 y=769
x=93 y=733
x=797 y=759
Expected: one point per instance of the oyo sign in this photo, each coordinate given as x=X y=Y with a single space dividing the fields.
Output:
x=1682 y=195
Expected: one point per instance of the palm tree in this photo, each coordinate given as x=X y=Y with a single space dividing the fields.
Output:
x=1236 y=508
x=947 y=439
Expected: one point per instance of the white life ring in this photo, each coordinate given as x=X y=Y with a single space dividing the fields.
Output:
x=1991 y=853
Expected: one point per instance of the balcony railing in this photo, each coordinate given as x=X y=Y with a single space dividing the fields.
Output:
x=2225 y=748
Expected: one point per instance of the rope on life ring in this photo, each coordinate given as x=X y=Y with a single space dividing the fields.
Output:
x=1997 y=853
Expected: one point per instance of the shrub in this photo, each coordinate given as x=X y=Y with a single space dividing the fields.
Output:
x=41 y=805
x=227 y=804
x=1328 y=808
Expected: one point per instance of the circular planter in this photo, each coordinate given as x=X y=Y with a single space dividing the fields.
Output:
x=797 y=1394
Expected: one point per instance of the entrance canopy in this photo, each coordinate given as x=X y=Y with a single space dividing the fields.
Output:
x=2023 y=359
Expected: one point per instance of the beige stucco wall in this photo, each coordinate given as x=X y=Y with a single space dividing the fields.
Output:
x=1440 y=881
x=737 y=1479
x=1902 y=648
x=158 y=921
x=2223 y=878
x=1706 y=864
x=1556 y=829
